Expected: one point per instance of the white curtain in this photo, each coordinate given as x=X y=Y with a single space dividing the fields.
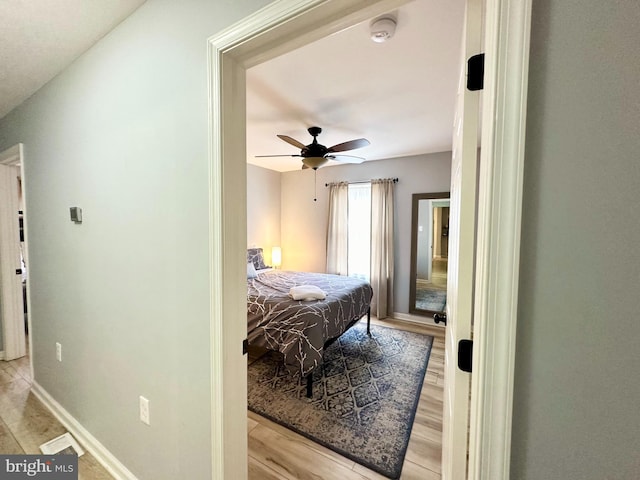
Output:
x=359 y=245
x=338 y=229
x=382 y=247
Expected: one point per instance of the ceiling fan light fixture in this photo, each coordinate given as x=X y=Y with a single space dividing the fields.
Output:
x=382 y=29
x=316 y=155
x=314 y=162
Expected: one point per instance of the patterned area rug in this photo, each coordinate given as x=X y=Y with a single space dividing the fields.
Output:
x=431 y=299
x=364 y=396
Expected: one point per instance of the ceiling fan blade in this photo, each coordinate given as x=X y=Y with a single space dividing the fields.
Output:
x=304 y=167
x=351 y=145
x=345 y=158
x=292 y=141
x=266 y=156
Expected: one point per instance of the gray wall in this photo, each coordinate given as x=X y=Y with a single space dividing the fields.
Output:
x=122 y=133
x=304 y=222
x=263 y=209
x=576 y=412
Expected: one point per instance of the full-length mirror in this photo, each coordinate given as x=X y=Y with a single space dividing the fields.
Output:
x=429 y=252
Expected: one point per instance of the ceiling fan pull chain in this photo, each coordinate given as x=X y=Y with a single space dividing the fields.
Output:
x=315 y=184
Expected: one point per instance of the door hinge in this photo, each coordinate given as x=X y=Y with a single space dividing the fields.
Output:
x=465 y=355
x=475 y=72
x=18 y=271
x=245 y=346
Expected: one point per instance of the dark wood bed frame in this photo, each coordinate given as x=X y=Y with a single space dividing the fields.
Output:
x=330 y=341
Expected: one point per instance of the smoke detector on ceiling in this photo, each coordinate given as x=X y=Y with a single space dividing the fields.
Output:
x=382 y=29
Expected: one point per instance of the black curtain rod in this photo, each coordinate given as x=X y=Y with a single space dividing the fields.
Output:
x=395 y=180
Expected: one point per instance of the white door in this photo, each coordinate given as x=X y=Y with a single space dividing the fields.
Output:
x=461 y=257
x=11 y=302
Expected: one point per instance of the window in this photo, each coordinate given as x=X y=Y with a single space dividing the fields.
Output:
x=359 y=244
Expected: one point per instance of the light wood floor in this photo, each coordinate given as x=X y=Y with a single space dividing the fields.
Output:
x=438 y=275
x=274 y=451
x=25 y=423
x=278 y=453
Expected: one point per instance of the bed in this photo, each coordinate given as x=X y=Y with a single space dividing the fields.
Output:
x=300 y=329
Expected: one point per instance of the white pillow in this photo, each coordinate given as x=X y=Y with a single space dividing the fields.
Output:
x=251 y=271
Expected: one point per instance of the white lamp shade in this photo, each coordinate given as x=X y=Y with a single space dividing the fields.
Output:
x=276 y=256
x=314 y=162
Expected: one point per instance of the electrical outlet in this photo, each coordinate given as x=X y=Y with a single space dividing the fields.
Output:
x=144 y=410
x=58 y=352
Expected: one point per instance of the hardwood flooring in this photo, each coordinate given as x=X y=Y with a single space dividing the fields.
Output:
x=278 y=453
x=25 y=423
x=438 y=275
x=275 y=453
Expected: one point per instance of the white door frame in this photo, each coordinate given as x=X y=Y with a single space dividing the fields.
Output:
x=13 y=334
x=504 y=103
x=281 y=27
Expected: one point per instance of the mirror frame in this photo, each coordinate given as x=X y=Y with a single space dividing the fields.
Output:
x=415 y=202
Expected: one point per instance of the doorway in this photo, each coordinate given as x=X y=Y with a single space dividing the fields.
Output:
x=279 y=28
x=260 y=84
x=13 y=255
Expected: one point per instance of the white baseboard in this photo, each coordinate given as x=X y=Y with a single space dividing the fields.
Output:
x=82 y=435
x=407 y=317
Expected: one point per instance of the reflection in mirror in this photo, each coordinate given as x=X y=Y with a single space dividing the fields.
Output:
x=429 y=252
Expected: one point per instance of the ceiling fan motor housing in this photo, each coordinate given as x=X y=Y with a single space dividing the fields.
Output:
x=314 y=149
x=314 y=131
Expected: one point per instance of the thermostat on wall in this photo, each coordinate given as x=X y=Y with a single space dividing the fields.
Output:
x=76 y=214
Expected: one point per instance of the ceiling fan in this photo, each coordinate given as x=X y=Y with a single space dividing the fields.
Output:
x=315 y=155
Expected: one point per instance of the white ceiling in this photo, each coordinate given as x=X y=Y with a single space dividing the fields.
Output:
x=399 y=94
x=40 y=38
